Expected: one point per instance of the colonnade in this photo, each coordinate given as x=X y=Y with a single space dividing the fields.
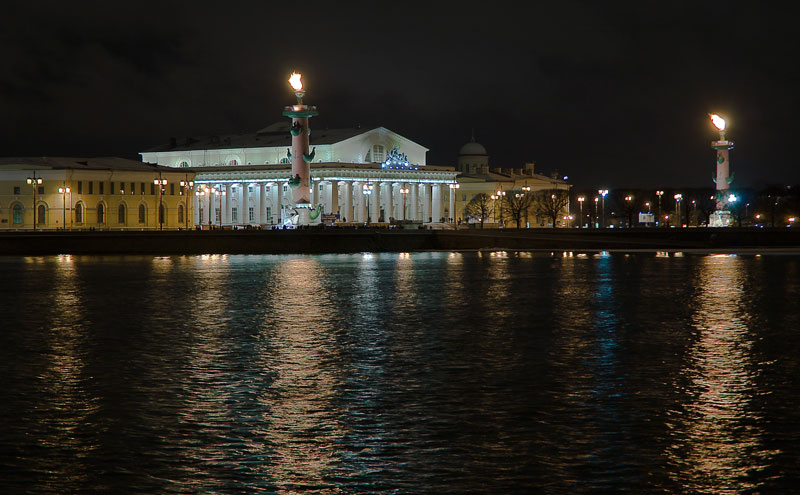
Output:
x=269 y=203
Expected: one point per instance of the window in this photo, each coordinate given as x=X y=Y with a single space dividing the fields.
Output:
x=79 y=212
x=41 y=215
x=378 y=153
x=234 y=215
x=183 y=164
x=101 y=187
x=91 y=187
x=233 y=162
x=172 y=189
x=217 y=215
x=133 y=188
x=121 y=214
x=251 y=214
x=285 y=188
x=17 y=215
x=80 y=187
x=284 y=161
x=266 y=189
x=40 y=189
x=249 y=189
x=269 y=213
x=180 y=213
x=200 y=215
x=16 y=189
x=101 y=214
x=142 y=213
x=152 y=189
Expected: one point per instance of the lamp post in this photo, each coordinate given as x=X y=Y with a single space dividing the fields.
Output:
x=186 y=184
x=63 y=191
x=596 y=219
x=732 y=199
x=659 y=194
x=678 y=198
x=160 y=183
x=500 y=195
x=404 y=191
x=581 y=199
x=367 y=190
x=35 y=182
x=603 y=193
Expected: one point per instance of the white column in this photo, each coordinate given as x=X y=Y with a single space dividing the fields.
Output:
x=388 y=201
x=333 y=198
x=361 y=214
x=314 y=193
x=275 y=200
x=412 y=201
x=209 y=208
x=375 y=207
x=436 y=202
x=196 y=206
x=426 y=203
x=452 y=205
x=245 y=205
x=347 y=192
x=262 y=203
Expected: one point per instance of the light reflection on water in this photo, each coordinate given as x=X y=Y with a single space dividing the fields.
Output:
x=400 y=373
x=718 y=436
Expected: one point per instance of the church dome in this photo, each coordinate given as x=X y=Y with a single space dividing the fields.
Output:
x=472 y=148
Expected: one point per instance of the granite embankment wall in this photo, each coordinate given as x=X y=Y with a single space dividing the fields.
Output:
x=377 y=240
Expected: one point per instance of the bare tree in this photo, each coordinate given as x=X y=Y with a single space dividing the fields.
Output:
x=480 y=206
x=516 y=204
x=550 y=203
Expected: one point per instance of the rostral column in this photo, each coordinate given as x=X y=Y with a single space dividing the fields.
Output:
x=300 y=180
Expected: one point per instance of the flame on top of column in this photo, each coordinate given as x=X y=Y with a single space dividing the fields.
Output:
x=295 y=82
x=718 y=121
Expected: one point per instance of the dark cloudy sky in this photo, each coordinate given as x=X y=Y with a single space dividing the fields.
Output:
x=609 y=93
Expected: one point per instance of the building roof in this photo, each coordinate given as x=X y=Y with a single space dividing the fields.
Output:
x=79 y=163
x=492 y=176
x=472 y=149
x=275 y=135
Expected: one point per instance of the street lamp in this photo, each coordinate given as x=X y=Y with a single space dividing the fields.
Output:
x=404 y=192
x=367 y=190
x=629 y=200
x=581 y=199
x=186 y=184
x=35 y=182
x=64 y=190
x=732 y=199
x=160 y=183
x=499 y=196
x=603 y=193
x=659 y=194
x=678 y=198
x=596 y=219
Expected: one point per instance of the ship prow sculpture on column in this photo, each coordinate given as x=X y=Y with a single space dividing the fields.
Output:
x=722 y=216
x=300 y=180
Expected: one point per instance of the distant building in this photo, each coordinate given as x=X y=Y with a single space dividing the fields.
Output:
x=356 y=174
x=476 y=177
x=104 y=193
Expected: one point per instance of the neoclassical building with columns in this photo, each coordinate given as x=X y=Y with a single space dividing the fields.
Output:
x=357 y=176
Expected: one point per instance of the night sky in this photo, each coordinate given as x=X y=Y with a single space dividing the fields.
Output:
x=612 y=94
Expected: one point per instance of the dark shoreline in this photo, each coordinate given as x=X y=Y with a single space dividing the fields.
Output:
x=332 y=240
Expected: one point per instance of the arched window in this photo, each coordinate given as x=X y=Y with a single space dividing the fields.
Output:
x=180 y=214
x=378 y=153
x=232 y=162
x=17 y=216
x=101 y=213
x=121 y=214
x=79 y=213
x=41 y=215
x=142 y=214
x=183 y=164
x=285 y=160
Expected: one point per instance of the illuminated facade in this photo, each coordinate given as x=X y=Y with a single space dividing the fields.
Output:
x=356 y=176
x=93 y=193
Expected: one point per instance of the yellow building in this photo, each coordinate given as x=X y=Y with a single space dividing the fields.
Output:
x=476 y=177
x=93 y=193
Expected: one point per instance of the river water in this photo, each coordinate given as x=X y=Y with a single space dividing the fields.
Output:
x=401 y=373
